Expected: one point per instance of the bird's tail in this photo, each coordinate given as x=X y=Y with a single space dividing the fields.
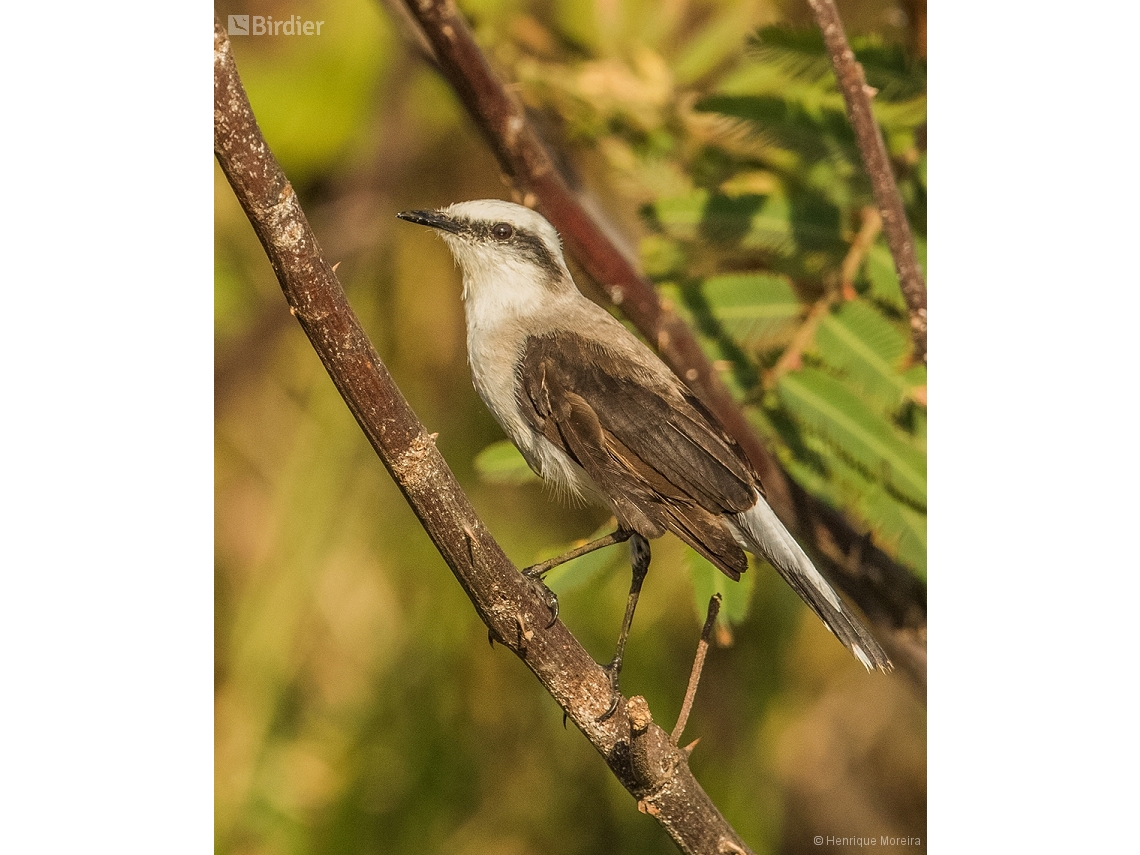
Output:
x=762 y=533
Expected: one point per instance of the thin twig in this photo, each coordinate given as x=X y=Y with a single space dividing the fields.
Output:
x=893 y=599
x=869 y=229
x=856 y=95
x=698 y=666
x=792 y=357
x=512 y=606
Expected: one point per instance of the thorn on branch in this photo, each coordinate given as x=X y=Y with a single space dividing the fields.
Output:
x=469 y=539
x=525 y=632
x=724 y=846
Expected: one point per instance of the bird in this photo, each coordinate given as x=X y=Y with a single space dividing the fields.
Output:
x=599 y=417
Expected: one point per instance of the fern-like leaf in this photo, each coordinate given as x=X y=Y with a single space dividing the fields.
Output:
x=897 y=528
x=867 y=349
x=819 y=133
x=759 y=310
x=800 y=54
x=771 y=224
x=824 y=405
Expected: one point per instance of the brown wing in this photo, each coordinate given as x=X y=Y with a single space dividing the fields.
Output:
x=662 y=461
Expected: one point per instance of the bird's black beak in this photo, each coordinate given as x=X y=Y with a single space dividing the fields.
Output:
x=434 y=219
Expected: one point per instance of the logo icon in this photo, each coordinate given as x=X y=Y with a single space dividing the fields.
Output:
x=265 y=25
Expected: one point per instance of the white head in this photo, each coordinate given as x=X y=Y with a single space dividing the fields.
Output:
x=511 y=257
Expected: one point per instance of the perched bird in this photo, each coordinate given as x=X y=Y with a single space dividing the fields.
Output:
x=598 y=415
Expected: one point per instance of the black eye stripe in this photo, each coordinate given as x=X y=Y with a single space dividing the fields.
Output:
x=523 y=243
x=532 y=248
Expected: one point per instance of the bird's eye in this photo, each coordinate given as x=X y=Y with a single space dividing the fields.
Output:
x=502 y=231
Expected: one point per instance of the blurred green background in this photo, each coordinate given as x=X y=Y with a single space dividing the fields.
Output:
x=358 y=705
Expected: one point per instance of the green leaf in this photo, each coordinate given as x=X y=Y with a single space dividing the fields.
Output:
x=800 y=54
x=736 y=597
x=889 y=69
x=756 y=309
x=717 y=346
x=662 y=258
x=825 y=406
x=767 y=223
x=501 y=463
x=816 y=132
x=879 y=271
x=867 y=349
x=717 y=41
x=897 y=528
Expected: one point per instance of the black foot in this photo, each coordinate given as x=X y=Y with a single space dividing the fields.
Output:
x=537 y=572
x=614 y=672
x=551 y=598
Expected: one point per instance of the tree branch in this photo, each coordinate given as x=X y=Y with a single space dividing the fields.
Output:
x=654 y=771
x=857 y=97
x=889 y=594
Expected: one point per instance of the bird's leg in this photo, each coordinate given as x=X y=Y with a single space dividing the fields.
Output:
x=536 y=572
x=639 y=557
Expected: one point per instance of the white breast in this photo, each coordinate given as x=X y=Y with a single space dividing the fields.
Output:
x=493 y=351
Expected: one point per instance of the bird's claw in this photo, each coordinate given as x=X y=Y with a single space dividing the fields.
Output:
x=613 y=671
x=549 y=597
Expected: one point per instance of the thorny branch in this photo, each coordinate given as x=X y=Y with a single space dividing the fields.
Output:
x=891 y=597
x=638 y=752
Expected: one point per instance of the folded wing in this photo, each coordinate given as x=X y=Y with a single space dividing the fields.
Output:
x=649 y=446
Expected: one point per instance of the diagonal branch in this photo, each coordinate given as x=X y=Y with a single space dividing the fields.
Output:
x=638 y=752
x=891 y=597
x=856 y=96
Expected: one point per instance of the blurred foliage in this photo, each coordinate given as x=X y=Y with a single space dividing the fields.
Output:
x=357 y=707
